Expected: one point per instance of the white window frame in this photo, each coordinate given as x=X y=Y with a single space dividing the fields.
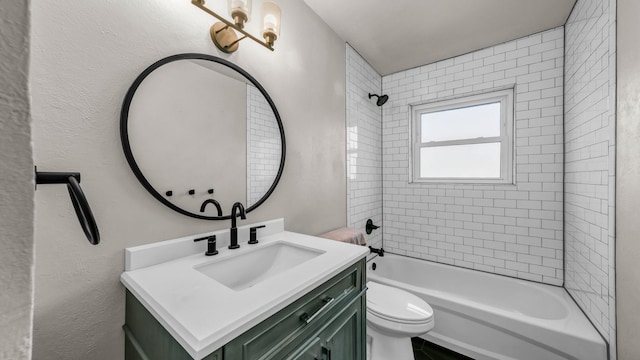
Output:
x=505 y=97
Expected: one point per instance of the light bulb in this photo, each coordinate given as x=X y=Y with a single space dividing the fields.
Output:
x=240 y=11
x=270 y=22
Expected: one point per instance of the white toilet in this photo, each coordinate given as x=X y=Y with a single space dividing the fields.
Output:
x=393 y=317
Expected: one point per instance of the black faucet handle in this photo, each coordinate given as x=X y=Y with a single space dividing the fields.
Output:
x=369 y=227
x=211 y=246
x=253 y=234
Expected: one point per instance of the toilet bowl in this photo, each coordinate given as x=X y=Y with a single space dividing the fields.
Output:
x=394 y=316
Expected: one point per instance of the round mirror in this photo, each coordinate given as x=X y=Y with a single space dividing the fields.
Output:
x=200 y=134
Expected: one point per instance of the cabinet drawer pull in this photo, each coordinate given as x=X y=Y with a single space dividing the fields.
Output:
x=307 y=319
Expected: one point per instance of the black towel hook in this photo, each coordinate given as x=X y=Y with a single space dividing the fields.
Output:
x=79 y=201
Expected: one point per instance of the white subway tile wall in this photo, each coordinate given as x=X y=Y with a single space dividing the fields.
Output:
x=590 y=86
x=263 y=145
x=514 y=230
x=364 y=147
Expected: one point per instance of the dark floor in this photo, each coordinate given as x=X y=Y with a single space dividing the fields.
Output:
x=424 y=350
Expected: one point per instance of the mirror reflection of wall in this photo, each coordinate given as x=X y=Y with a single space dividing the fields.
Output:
x=198 y=124
x=263 y=145
x=188 y=125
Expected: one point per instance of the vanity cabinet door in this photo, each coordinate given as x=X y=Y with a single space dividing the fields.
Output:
x=289 y=327
x=308 y=351
x=340 y=338
x=343 y=337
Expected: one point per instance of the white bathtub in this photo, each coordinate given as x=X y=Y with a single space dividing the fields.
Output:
x=488 y=316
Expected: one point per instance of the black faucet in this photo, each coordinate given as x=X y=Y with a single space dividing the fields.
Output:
x=211 y=201
x=233 y=244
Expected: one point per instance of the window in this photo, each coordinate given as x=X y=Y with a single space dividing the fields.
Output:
x=464 y=140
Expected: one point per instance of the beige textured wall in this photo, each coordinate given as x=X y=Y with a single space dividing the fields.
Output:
x=628 y=181
x=85 y=55
x=16 y=184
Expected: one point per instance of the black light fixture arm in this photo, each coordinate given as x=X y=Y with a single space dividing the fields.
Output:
x=79 y=201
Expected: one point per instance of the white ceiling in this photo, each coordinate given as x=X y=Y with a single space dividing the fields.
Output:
x=402 y=34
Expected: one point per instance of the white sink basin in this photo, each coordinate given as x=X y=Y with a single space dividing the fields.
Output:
x=251 y=267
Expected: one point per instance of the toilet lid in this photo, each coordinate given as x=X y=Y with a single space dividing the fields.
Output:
x=397 y=305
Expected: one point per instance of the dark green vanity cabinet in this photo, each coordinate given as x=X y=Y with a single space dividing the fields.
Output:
x=328 y=323
x=146 y=339
x=339 y=338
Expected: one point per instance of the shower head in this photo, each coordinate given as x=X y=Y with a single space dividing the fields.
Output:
x=381 y=98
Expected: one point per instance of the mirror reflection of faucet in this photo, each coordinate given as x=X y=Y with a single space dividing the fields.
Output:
x=214 y=202
x=233 y=232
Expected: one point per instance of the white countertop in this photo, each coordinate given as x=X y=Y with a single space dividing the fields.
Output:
x=201 y=313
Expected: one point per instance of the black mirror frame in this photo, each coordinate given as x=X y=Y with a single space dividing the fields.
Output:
x=124 y=131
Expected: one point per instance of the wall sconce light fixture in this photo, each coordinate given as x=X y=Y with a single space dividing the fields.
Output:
x=225 y=33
